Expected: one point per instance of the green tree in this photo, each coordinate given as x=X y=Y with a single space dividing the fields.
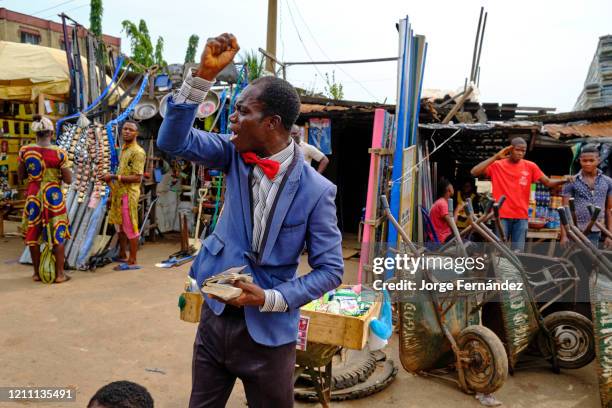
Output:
x=192 y=49
x=95 y=26
x=95 y=18
x=254 y=64
x=159 y=53
x=141 y=46
x=333 y=90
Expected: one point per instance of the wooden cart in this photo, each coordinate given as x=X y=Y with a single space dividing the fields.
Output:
x=327 y=334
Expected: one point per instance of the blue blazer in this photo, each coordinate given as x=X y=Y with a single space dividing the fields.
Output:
x=304 y=212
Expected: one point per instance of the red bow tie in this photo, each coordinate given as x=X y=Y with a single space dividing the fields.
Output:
x=269 y=167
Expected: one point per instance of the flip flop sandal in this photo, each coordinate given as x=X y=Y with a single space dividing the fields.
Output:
x=66 y=279
x=117 y=259
x=126 y=267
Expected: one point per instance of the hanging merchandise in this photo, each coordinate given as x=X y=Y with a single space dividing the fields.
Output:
x=319 y=134
x=220 y=111
x=240 y=85
x=88 y=148
x=114 y=83
x=115 y=122
x=72 y=106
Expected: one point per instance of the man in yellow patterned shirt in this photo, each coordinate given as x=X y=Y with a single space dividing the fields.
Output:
x=125 y=192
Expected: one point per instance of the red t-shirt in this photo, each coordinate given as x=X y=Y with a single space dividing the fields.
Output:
x=514 y=181
x=438 y=210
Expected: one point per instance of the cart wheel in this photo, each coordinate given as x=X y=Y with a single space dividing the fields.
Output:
x=488 y=366
x=573 y=337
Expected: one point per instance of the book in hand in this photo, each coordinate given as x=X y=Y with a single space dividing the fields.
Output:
x=222 y=286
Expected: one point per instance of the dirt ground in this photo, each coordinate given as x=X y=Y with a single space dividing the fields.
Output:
x=105 y=326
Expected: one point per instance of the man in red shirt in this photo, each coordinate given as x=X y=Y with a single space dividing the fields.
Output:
x=438 y=214
x=511 y=176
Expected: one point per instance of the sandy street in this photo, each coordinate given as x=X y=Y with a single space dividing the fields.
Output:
x=104 y=326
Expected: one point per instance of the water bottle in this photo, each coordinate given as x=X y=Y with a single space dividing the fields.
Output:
x=550 y=220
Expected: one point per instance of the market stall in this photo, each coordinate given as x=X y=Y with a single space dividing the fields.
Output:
x=34 y=79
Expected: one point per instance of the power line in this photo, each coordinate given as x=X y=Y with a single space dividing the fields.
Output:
x=66 y=11
x=361 y=61
x=51 y=8
x=300 y=38
x=350 y=82
x=327 y=56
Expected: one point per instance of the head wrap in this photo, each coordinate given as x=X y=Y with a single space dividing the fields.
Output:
x=42 y=125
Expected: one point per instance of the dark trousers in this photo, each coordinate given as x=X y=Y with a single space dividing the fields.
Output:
x=224 y=350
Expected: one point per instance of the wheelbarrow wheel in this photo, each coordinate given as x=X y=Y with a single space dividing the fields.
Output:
x=487 y=366
x=572 y=334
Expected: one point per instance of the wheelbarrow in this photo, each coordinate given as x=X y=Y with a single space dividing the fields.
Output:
x=554 y=280
x=439 y=332
x=563 y=338
x=600 y=295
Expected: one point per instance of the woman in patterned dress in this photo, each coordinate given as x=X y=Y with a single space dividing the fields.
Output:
x=45 y=167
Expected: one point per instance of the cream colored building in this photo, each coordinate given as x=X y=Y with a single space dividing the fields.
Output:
x=22 y=28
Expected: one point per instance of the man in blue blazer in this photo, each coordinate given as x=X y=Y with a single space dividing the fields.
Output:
x=274 y=204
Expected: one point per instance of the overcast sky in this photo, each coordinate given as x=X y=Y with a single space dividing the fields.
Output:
x=535 y=53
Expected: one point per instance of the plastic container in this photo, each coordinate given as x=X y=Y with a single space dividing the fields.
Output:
x=375 y=342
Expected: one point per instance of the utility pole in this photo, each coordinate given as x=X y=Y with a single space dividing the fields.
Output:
x=271 y=36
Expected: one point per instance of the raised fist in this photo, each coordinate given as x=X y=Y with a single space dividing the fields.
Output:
x=218 y=53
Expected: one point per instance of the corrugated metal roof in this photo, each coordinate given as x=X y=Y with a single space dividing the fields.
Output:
x=524 y=124
x=322 y=105
x=309 y=108
x=581 y=129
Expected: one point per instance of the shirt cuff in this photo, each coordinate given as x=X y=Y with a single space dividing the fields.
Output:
x=275 y=302
x=193 y=90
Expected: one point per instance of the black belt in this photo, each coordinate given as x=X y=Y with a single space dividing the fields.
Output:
x=233 y=311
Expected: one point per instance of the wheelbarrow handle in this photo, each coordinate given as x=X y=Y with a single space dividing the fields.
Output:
x=572 y=209
x=568 y=214
x=590 y=207
x=469 y=210
x=562 y=216
x=572 y=204
x=594 y=212
x=501 y=200
x=496 y=210
x=489 y=206
x=384 y=202
x=400 y=230
x=451 y=207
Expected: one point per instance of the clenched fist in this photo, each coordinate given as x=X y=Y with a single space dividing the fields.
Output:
x=218 y=53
